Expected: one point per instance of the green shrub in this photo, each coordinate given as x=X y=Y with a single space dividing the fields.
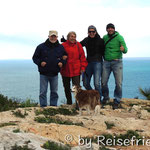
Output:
x=54 y=111
x=55 y=120
x=16 y=130
x=54 y=146
x=7 y=104
x=19 y=114
x=145 y=92
x=25 y=147
x=28 y=103
x=7 y=124
x=103 y=148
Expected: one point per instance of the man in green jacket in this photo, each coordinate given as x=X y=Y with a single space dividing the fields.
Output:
x=115 y=46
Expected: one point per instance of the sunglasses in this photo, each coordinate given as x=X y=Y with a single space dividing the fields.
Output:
x=91 y=31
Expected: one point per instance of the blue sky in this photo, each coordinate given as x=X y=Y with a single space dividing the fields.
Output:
x=25 y=23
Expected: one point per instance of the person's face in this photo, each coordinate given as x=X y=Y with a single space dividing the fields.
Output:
x=110 y=31
x=92 y=33
x=72 y=38
x=53 y=38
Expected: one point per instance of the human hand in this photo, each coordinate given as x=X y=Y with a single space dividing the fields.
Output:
x=121 y=48
x=82 y=71
x=60 y=64
x=64 y=57
x=63 y=39
x=43 y=63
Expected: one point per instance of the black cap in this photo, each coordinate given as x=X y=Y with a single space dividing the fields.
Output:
x=110 y=25
x=91 y=27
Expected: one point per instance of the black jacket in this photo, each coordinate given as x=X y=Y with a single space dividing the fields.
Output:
x=94 y=48
x=51 y=53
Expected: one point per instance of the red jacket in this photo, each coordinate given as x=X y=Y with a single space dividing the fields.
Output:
x=76 y=60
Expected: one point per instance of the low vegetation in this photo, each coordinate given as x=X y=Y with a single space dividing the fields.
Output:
x=25 y=147
x=115 y=138
x=54 y=146
x=145 y=92
x=11 y=104
x=7 y=124
x=16 y=130
x=7 y=104
x=104 y=148
x=56 y=120
x=19 y=114
x=49 y=116
x=109 y=124
x=148 y=109
x=55 y=111
x=28 y=103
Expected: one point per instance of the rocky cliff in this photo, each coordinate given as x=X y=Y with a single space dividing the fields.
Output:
x=134 y=115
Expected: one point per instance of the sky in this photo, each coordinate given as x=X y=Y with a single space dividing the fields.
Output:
x=24 y=24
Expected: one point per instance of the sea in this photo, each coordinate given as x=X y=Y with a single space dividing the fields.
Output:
x=19 y=79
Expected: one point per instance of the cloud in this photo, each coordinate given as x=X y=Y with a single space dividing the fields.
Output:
x=26 y=23
x=15 y=51
x=18 y=39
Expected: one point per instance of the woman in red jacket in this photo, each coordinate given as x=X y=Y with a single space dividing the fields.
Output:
x=76 y=64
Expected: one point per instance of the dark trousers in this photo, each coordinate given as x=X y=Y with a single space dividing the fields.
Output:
x=66 y=84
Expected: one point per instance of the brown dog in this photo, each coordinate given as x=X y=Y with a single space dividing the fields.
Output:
x=87 y=99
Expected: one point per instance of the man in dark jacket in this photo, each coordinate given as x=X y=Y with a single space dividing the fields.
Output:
x=49 y=57
x=95 y=50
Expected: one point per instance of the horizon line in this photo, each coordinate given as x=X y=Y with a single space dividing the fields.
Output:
x=31 y=59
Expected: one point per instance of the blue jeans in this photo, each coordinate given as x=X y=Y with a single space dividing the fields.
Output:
x=95 y=69
x=116 y=67
x=53 y=81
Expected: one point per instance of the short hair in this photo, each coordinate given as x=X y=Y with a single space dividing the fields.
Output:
x=71 y=32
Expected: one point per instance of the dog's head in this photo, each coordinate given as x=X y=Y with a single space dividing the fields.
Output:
x=75 y=88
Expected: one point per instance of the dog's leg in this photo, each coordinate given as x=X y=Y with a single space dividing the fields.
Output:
x=88 y=110
x=80 y=111
x=97 y=110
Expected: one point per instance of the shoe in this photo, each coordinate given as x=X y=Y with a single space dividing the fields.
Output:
x=104 y=101
x=115 y=106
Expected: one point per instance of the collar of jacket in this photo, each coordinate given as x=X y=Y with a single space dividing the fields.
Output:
x=70 y=43
x=110 y=35
x=97 y=36
x=51 y=45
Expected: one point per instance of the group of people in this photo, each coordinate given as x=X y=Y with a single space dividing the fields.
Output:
x=104 y=55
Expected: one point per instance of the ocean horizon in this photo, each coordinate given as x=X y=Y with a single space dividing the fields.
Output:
x=19 y=79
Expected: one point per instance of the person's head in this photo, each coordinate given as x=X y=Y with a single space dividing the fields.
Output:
x=53 y=35
x=92 y=31
x=71 y=37
x=110 y=28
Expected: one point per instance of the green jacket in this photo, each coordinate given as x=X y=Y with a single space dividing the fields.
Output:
x=112 y=49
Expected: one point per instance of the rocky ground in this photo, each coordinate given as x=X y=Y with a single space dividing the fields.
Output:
x=134 y=115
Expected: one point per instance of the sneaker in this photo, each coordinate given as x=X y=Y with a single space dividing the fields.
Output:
x=103 y=103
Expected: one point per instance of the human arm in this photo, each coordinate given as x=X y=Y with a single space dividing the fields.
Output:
x=83 y=42
x=82 y=57
x=63 y=58
x=123 y=47
x=36 y=56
